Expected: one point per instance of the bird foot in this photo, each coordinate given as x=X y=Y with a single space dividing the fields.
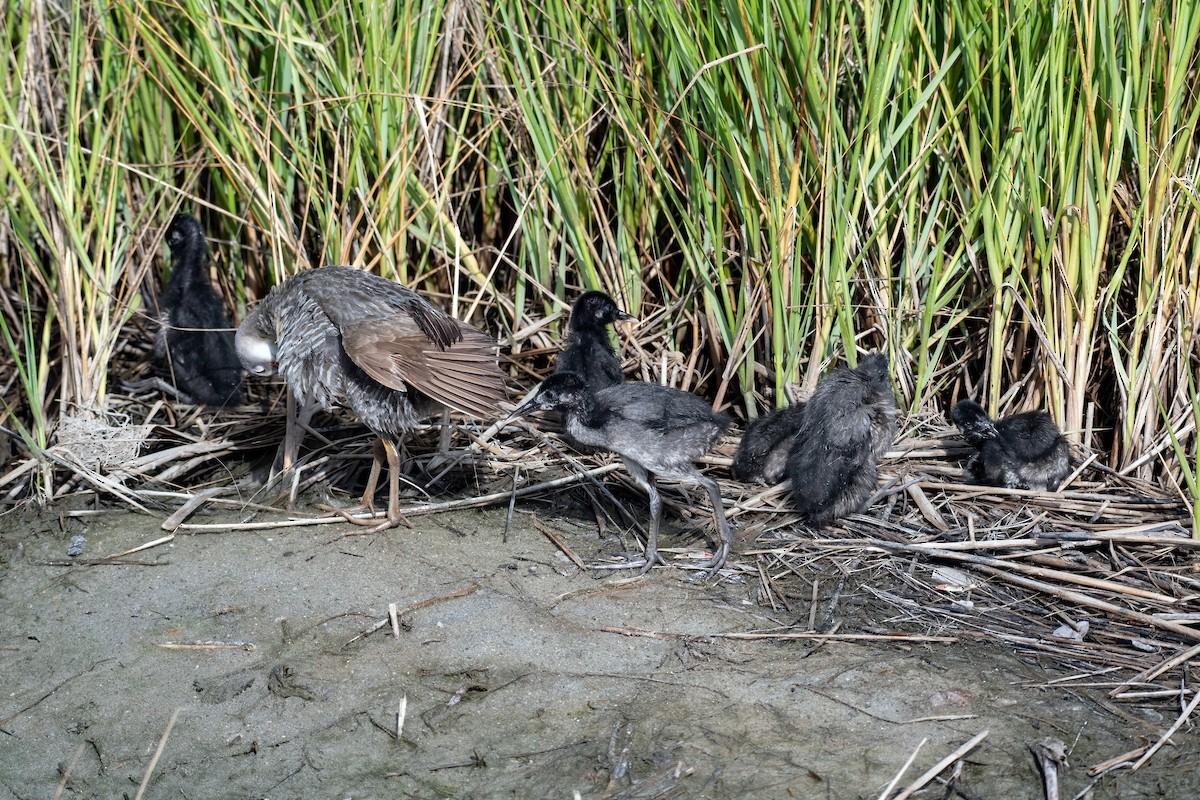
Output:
x=714 y=566
x=649 y=565
x=707 y=568
x=392 y=520
x=641 y=564
x=717 y=562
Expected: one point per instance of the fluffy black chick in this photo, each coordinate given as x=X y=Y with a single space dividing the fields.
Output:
x=847 y=424
x=589 y=350
x=763 y=451
x=1022 y=451
x=195 y=336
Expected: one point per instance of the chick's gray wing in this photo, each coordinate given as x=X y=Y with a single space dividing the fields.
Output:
x=656 y=408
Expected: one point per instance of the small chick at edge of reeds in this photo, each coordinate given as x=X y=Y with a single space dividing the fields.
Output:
x=195 y=341
x=658 y=432
x=589 y=351
x=1021 y=451
x=847 y=425
x=763 y=451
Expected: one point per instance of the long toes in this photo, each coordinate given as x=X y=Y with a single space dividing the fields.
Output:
x=393 y=520
x=348 y=514
x=651 y=559
x=372 y=525
x=398 y=519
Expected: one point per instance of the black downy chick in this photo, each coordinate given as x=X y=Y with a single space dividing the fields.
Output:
x=658 y=431
x=195 y=336
x=589 y=349
x=763 y=451
x=848 y=424
x=1023 y=451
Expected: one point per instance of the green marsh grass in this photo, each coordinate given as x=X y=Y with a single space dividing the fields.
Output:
x=1000 y=197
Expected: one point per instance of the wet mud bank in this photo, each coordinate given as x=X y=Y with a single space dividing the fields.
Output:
x=270 y=661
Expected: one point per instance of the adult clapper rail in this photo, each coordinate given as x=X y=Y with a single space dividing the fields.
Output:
x=342 y=336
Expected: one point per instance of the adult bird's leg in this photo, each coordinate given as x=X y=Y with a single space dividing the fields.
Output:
x=383 y=448
x=296 y=423
x=394 y=516
x=377 y=456
x=714 y=494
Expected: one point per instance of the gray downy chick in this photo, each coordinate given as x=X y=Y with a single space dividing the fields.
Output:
x=848 y=424
x=659 y=432
x=763 y=451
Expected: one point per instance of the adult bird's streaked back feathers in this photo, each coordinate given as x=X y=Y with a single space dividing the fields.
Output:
x=340 y=335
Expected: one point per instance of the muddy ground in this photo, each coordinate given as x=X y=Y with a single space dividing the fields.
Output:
x=525 y=677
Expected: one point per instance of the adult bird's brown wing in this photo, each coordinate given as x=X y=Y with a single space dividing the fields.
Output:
x=395 y=351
